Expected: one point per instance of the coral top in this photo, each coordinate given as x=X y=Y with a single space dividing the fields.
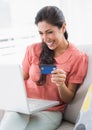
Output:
x=72 y=61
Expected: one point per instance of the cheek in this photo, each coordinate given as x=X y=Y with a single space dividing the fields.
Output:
x=57 y=36
x=51 y=36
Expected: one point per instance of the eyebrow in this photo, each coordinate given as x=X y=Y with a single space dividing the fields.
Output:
x=46 y=30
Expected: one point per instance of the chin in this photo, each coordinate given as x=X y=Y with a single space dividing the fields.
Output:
x=51 y=48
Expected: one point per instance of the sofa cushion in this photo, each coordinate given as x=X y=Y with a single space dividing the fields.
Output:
x=66 y=126
x=73 y=108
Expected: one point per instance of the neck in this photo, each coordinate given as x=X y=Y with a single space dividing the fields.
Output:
x=62 y=49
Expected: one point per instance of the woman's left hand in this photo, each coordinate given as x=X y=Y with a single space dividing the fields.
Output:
x=58 y=77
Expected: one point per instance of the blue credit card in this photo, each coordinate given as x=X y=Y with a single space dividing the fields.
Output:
x=47 y=69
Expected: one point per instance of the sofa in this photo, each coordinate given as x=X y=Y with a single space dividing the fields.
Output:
x=73 y=109
x=72 y=112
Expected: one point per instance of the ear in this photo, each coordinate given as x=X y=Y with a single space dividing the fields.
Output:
x=63 y=27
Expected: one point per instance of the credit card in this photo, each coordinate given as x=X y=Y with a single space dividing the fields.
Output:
x=47 y=69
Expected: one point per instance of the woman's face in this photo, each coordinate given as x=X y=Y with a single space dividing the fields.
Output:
x=51 y=35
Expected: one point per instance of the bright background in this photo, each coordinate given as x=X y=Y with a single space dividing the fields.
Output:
x=17 y=28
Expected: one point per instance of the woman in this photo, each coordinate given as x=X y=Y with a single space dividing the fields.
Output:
x=61 y=85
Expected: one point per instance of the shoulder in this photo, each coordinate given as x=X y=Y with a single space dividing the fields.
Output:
x=34 y=48
x=79 y=60
x=79 y=64
x=76 y=52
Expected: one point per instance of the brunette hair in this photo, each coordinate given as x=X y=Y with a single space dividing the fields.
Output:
x=54 y=16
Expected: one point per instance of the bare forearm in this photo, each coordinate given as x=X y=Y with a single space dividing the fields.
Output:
x=65 y=94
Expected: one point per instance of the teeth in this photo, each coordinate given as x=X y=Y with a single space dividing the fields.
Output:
x=50 y=43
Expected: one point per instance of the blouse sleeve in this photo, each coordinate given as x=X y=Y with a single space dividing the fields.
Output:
x=79 y=69
x=27 y=60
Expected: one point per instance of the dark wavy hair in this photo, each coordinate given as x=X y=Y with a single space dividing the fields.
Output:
x=54 y=16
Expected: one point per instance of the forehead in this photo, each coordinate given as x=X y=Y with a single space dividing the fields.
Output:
x=43 y=26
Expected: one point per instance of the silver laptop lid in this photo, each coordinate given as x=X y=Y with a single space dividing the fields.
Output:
x=13 y=92
x=12 y=89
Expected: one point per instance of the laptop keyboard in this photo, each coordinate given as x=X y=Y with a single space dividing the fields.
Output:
x=33 y=103
x=39 y=103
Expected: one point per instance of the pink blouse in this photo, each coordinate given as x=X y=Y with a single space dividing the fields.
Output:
x=72 y=61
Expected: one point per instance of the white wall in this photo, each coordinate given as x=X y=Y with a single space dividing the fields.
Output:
x=79 y=20
x=20 y=16
x=23 y=12
x=5 y=18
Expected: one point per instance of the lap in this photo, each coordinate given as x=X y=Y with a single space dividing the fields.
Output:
x=14 y=121
x=42 y=120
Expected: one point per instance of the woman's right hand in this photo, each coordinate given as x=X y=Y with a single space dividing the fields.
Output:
x=58 y=77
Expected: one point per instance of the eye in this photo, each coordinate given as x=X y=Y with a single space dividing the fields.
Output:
x=40 y=33
x=50 y=32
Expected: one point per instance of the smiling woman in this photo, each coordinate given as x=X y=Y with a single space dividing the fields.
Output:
x=61 y=84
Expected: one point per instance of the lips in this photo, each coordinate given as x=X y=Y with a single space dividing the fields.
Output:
x=50 y=44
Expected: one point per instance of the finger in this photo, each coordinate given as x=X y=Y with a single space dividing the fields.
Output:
x=58 y=71
x=56 y=80
x=59 y=76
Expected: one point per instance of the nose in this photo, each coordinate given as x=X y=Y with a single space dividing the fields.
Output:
x=44 y=37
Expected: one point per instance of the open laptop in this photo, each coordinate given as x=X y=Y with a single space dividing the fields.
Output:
x=13 y=95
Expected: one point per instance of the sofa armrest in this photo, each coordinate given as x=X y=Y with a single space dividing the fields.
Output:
x=84 y=121
x=1 y=114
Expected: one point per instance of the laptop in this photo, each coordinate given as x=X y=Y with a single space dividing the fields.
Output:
x=13 y=95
